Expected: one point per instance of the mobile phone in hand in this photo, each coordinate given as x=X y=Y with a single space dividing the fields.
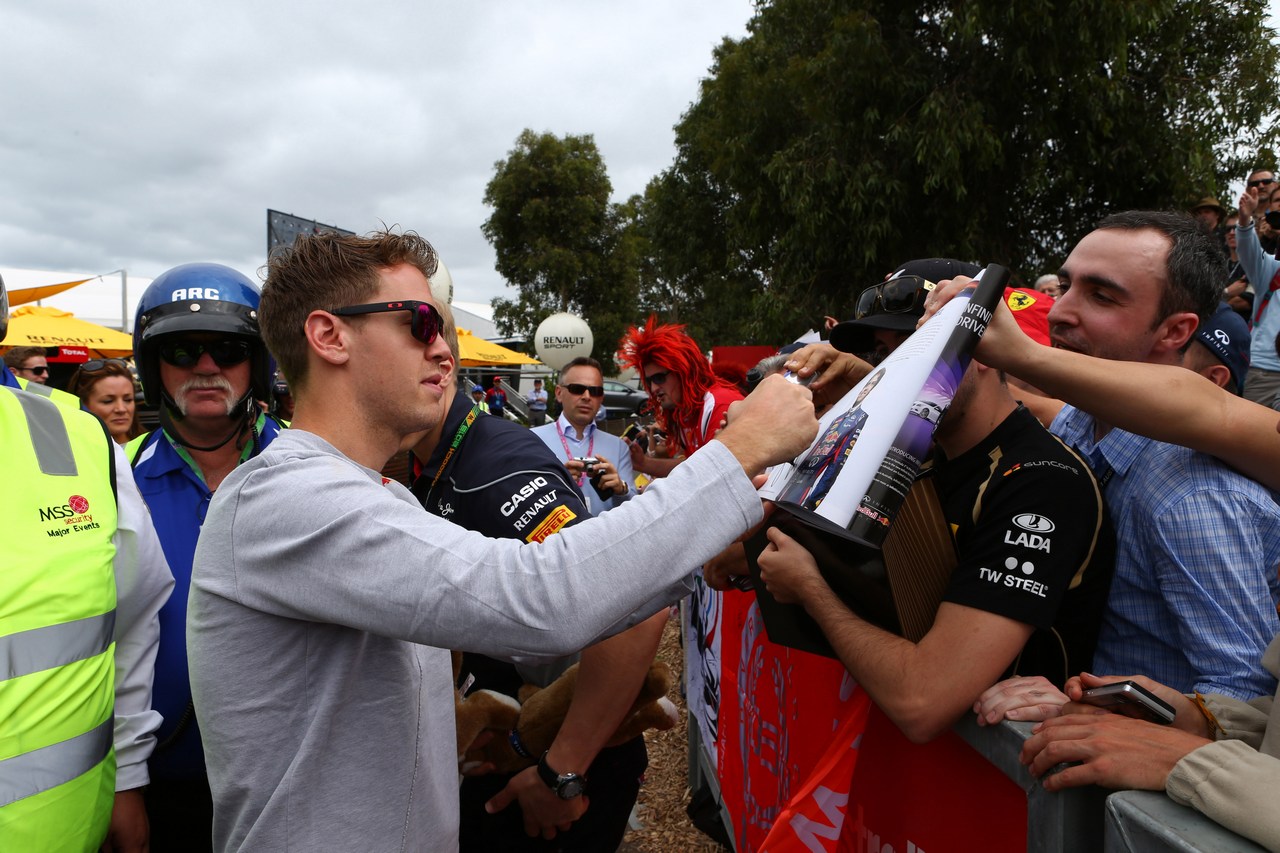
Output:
x=1133 y=694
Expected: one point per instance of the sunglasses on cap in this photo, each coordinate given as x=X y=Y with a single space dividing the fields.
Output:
x=41 y=370
x=225 y=353
x=656 y=378
x=425 y=319
x=902 y=295
x=577 y=389
x=1260 y=182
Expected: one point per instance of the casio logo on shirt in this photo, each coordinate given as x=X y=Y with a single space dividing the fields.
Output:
x=525 y=492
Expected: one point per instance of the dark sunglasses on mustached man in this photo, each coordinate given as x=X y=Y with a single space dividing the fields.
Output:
x=225 y=352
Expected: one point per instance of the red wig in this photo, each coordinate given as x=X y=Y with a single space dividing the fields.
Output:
x=672 y=349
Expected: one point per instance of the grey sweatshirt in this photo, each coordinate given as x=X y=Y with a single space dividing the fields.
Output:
x=322 y=600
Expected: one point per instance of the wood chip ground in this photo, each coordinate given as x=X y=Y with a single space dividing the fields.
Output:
x=665 y=792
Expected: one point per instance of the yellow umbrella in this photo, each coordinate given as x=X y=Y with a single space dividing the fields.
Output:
x=44 y=291
x=37 y=326
x=476 y=352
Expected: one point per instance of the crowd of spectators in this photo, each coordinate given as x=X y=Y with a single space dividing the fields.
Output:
x=302 y=693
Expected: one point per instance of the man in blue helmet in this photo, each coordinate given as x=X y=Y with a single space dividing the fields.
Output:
x=202 y=361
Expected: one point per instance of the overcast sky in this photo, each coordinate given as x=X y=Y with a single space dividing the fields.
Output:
x=146 y=134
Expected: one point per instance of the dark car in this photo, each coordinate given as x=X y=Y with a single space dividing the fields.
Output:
x=621 y=400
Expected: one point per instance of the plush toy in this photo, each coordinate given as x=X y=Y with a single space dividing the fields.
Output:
x=533 y=722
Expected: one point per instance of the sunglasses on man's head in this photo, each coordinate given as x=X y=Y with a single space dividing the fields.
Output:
x=902 y=295
x=577 y=389
x=225 y=353
x=656 y=378
x=425 y=323
x=41 y=370
x=1260 y=182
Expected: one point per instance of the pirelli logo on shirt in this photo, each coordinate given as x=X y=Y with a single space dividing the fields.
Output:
x=559 y=517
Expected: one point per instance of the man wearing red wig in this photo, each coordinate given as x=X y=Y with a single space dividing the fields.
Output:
x=689 y=400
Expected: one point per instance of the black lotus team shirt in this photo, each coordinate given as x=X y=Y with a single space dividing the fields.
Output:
x=1033 y=539
x=501 y=481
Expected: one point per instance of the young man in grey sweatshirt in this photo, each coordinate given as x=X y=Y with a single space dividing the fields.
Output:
x=323 y=596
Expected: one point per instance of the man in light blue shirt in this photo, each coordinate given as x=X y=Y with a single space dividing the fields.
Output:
x=537 y=401
x=1263 y=383
x=1193 y=601
x=575 y=436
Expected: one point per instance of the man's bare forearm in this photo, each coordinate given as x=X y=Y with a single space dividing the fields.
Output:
x=923 y=687
x=609 y=679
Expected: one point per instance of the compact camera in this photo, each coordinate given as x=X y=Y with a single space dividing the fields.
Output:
x=589 y=464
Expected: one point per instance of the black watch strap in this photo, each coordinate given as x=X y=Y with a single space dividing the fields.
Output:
x=566 y=785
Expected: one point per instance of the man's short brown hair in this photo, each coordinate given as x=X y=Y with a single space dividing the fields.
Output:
x=18 y=355
x=323 y=272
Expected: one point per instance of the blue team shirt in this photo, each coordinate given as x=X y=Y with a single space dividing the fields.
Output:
x=1193 y=600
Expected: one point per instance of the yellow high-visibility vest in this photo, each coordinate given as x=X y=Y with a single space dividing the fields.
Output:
x=62 y=398
x=57 y=622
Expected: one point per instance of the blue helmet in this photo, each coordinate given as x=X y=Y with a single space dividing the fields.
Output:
x=199 y=298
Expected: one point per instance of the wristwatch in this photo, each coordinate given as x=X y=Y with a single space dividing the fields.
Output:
x=566 y=785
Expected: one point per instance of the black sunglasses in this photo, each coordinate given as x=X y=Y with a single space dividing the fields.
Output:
x=425 y=322
x=94 y=365
x=656 y=378
x=225 y=353
x=38 y=371
x=577 y=389
x=902 y=295
x=1260 y=182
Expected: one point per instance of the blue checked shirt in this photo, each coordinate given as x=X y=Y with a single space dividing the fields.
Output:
x=1193 y=601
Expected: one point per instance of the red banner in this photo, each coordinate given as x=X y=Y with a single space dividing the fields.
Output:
x=928 y=797
x=814 y=820
x=781 y=713
x=807 y=763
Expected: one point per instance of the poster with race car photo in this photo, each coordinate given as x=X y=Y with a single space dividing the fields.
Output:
x=840 y=496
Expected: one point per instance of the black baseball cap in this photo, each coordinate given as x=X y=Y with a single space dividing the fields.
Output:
x=857 y=335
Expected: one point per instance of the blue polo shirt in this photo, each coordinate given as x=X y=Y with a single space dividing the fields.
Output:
x=178 y=499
